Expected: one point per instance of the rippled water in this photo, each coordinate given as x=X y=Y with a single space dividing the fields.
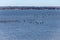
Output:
x=29 y=24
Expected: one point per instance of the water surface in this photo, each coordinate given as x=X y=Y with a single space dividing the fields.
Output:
x=29 y=24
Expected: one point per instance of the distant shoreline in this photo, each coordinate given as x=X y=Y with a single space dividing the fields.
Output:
x=29 y=8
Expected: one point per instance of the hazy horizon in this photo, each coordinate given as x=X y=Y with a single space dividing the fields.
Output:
x=29 y=3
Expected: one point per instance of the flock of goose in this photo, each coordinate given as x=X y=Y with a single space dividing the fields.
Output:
x=22 y=21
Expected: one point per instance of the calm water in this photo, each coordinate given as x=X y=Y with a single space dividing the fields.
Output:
x=29 y=24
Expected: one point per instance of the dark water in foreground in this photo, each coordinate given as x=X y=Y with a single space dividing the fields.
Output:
x=29 y=24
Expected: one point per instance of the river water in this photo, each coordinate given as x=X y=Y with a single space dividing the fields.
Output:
x=29 y=24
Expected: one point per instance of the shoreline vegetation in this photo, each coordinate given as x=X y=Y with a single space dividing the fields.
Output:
x=28 y=8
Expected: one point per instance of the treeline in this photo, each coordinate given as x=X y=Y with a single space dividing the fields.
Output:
x=29 y=8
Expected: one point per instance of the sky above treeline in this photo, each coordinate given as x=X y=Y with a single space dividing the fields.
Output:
x=29 y=2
